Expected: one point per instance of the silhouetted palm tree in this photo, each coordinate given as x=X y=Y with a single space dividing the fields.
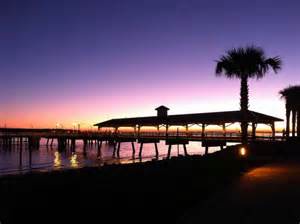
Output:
x=245 y=63
x=291 y=95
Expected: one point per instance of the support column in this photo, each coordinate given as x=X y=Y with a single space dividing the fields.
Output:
x=169 y=151
x=133 y=149
x=99 y=153
x=185 y=151
x=141 y=150
x=21 y=152
x=115 y=149
x=254 y=130
x=116 y=130
x=118 y=151
x=273 y=130
x=85 y=142
x=167 y=129
x=156 y=150
x=30 y=156
x=139 y=130
x=224 y=129
x=203 y=130
x=206 y=150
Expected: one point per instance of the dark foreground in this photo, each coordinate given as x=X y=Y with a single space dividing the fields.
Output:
x=166 y=191
x=266 y=194
x=135 y=193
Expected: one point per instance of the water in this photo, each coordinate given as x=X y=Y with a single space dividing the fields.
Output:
x=48 y=158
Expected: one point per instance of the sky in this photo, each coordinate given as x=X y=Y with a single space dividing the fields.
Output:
x=86 y=61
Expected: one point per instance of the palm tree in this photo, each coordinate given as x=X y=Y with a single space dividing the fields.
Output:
x=291 y=95
x=245 y=63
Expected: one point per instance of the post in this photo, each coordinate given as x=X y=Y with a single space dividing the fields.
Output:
x=21 y=152
x=169 y=151
x=99 y=153
x=84 y=146
x=273 y=130
x=167 y=129
x=139 y=130
x=115 y=149
x=73 y=144
x=133 y=149
x=156 y=150
x=206 y=150
x=141 y=149
x=118 y=151
x=30 y=156
x=253 y=130
x=203 y=130
x=224 y=129
x=116 y=130
x=185 y=151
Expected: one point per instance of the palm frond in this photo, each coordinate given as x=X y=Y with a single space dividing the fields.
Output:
x=249 y=61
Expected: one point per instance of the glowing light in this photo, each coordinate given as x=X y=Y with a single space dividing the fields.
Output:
x=57 y=159
x=243 y=151
x=73 y=161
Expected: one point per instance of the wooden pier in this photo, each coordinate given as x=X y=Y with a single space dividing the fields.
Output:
x=66 y=139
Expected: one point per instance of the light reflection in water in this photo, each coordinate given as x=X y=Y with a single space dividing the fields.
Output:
x=57 y=159
x=74 y=161
x=50 y=158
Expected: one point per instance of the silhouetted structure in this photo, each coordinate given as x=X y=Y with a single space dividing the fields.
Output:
x=162 y=111
x=245 y=63
x=187 y=120
x=291 y=95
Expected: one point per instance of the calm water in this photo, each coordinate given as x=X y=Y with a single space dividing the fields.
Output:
x=47 y=158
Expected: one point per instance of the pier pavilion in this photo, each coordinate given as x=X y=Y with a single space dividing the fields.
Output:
x=223 y=119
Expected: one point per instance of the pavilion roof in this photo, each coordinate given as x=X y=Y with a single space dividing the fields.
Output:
x=184 y=119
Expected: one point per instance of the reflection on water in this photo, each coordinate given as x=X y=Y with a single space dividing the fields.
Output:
x=57 y=159
x=49 y=158
x=73 y=160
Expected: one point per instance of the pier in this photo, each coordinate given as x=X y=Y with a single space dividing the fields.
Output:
x=66 y=139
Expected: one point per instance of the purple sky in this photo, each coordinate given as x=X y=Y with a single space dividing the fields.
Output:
x=67 y=61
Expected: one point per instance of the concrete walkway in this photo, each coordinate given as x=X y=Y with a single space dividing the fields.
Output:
x=269 y=194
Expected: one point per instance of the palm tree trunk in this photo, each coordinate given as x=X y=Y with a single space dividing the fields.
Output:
x=298 y=122
x=288 y=114
x=293 y=122
x=244 y=103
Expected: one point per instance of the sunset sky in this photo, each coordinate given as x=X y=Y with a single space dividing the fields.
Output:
x=85 y=61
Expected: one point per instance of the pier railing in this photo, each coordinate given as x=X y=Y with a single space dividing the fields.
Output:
x=191 y=135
